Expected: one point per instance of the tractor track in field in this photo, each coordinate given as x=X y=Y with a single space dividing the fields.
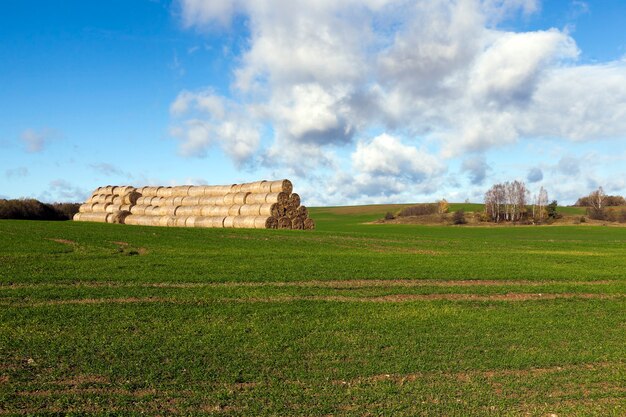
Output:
x=394 y=298
x=360 y=283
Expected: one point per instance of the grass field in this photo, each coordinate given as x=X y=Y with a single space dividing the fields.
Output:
x=350 y=319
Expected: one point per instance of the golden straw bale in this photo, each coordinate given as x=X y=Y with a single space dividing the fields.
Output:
x=138 y=210
x=166 y=210
x=294 y=201
x=190 y=201
x=271 y=223
x=164 y=192
x=86 y=208
x=284 y=223
x=125 y=207
x=215 y=211
x=291 y=212
x=166 y=220
x=244 y=222
x=92 y=217
x=181 y=191
x=190 y=221
x=169 y=201
x=309 y=224
x=143 y=201
x=297 y=223
x=234 y=210
x=119 y=217
x=272 y=209
x=196 y=191
x=112 y=208
x=303 y=212
x=212 y=222
x=212 y=200
x=262 y=198
x=280 y=186
x=189 y=211
x=100 y=207
x=108 y=189
x=180 y=221
x=235 y=198
x=229 y=221
x=150 y=191
x=252 y=187
x=250 y=210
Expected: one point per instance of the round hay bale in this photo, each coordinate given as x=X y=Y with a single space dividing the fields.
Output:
x=229 y=221
x=169 y=201
x=143 y=201
x=152 y=211
x=271 y=209
x=244 y=222
x=297 y=223
x=191 y=201
x=109 y=199
x=229 y=199
x=252 y=187
x=120 y=216
x=189 y=211
x=264 y=222
x=178 y=201
x=180 y=221
x=196 y=191
x=291 y=212
x=234 y=210
x=125 y=207
x=108 y=189
x=157 y=201
x=271 y=223
x=240 y=198
x=250 y=210
x=117 y=200
x=216 y=190
x=294 y=201
x=235 y=188
x=112 y=208
x=181 y=191
x=309 y=224
x=211 y=200
x=100 y=207
x=303 y=212
x=138 y=210
x=86 y=208
x=166 y=220
x=167 y=210
x=211 y=222
x=150 y=191
x=190 y=221
x=76 y=217
x=284 y=223
x=279 y=186
x=214 y=211
x=164 y=192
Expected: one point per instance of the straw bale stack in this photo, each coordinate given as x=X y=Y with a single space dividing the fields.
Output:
x=258 y=205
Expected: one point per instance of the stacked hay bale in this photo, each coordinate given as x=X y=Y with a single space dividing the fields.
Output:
x=259 y=205
x=110 y=204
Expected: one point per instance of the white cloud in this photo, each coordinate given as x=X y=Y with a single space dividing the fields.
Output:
x=322 y=74
x=34 y=140
x=16 y=172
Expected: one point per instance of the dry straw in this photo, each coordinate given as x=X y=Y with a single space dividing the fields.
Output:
x=259 y=204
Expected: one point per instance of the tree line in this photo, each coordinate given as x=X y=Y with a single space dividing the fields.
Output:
x=512 y=202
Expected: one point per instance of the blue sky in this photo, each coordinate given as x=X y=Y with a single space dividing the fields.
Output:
x=367 y=101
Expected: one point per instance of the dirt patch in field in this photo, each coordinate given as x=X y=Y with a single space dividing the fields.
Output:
x=358 y=283
x=64 y=241
x=469 y=375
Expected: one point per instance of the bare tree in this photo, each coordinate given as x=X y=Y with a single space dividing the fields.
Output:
x=596 y=199
x=539 y=213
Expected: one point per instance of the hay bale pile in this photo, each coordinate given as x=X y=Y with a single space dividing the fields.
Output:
x=258 y=205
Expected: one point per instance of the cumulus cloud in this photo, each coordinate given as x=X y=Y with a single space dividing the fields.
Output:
x=109 y=170
x=477 y=169
x=322 y=74
x=35 y=141
x=16 y=172
x=204 y=119
x=534 y=175
x=62 y=190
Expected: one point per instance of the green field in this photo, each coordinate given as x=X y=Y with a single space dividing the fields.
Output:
x=349 y=319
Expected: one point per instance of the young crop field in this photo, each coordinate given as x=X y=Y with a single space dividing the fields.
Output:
x=348 y=319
